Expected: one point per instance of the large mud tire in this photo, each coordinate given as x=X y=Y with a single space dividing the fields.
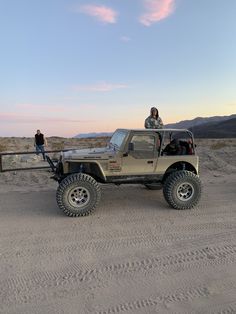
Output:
x=78 y=195
x=182 y=189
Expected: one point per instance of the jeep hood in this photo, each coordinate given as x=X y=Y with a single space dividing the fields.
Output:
x=90 y=153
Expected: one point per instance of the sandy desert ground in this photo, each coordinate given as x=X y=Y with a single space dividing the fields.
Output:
x=134 y=254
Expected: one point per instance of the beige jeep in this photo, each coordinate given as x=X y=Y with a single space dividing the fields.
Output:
x=156 y=158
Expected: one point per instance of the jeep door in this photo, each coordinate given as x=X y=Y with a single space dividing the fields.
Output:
x=141 y=156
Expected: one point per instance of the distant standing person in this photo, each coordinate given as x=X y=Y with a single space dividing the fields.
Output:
x=39 y=143
x=153 y=121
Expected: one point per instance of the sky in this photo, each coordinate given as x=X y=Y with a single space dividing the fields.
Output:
x=70 y=67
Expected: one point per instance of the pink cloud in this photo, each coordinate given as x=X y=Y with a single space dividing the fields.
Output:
x=156 y=10
x=102 y=13
x=87 y=107
x=99 y=87
x=42 y=107
x=31 y=119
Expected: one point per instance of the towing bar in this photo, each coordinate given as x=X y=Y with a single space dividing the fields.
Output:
x=28 y=153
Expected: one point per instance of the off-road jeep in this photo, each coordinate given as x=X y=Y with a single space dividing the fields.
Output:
x=155 y=158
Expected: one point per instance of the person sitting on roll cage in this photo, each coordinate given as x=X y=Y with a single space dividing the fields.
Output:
x=153 y=121
x=39 y=142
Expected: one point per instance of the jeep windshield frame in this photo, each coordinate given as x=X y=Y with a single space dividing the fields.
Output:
x=118 y=138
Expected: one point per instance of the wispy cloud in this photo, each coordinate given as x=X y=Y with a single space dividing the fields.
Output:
x=102 y=13
x=156 y=10
x=125 y=39
x=41 y=107
x=99 y=87
x=31 y=119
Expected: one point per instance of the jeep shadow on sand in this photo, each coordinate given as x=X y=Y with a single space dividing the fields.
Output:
x=160 y=158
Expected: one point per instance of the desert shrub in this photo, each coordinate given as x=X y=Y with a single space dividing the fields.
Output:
x=27 y=147
x=58 y=145
x=218 y=145
x=3 y=147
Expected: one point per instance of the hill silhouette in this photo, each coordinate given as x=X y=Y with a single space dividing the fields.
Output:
x=223 y=129
x=210 y=127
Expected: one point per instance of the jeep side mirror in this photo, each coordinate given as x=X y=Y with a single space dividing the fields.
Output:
x=131 y=147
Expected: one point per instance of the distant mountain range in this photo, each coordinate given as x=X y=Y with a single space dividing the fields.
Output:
x=186 y=124
x=211 y=127
x=87 y=135
x=223 y=129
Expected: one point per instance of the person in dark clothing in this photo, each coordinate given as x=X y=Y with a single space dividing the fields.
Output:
x=173 y=148
x=39 y=142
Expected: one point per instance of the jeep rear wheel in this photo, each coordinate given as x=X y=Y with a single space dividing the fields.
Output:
x=182 y=189
x=78 y=195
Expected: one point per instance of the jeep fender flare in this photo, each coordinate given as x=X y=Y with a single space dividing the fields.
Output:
x=179 y=165
x=89 y=167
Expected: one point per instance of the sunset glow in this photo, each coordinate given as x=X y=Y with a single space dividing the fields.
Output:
x=93 y=67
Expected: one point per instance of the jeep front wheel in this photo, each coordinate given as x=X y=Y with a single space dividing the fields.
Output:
x=78 y=195
x=182 y=189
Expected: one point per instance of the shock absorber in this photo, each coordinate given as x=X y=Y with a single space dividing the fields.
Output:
x=81 y=168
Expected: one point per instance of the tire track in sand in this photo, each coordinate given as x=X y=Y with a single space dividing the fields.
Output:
x=110 y=247
x=110 y=243
x=96 y=277
x=143 y=304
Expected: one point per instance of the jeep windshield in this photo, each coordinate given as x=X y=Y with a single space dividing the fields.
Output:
x=117 y=139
